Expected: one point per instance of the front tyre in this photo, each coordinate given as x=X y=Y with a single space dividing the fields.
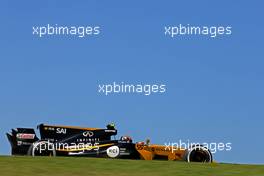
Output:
x=198 y=153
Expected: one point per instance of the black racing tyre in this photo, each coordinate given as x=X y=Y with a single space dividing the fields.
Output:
x=198 y=153
x=42 y=148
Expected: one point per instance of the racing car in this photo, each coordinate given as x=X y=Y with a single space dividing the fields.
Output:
x=58 y=140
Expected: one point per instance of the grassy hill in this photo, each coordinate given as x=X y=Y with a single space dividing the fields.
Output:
x=69 y=166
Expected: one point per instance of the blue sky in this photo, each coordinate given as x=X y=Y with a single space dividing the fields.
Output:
x=214 y=86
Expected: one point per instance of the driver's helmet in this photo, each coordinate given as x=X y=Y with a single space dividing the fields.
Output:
x=126 y=138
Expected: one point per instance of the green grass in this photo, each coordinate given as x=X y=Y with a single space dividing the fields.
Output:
x=70 y=166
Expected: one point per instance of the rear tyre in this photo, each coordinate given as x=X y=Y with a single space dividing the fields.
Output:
x=42 y=148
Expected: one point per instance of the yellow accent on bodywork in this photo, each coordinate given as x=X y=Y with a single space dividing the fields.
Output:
x=84 y=148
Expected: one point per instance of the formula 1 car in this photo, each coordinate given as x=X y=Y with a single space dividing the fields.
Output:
x=56 y=140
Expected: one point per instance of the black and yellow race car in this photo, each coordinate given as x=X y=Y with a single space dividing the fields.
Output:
x=57 y=140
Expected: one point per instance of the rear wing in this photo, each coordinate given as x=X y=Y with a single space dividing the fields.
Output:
x=21 y=139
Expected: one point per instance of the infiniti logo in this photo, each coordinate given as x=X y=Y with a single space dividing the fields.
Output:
x=88 y=134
